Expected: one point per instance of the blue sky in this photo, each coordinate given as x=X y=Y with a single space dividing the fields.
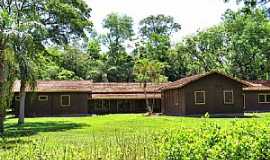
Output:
x=193 y=15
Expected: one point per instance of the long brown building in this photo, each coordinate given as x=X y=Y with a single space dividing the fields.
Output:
x=53 y=98
x=211 y=92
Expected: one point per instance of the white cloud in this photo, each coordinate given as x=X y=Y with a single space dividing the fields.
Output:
x=191 y=14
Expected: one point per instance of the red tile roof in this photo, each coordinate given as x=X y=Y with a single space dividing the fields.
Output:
x=262 y=82
x=185 y=81
x=89 y=86
x=57 y=86
x=259 y=85
x=124 y=88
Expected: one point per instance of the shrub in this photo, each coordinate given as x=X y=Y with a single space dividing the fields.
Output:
x=239 y=140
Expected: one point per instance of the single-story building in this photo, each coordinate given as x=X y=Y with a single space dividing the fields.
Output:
x=257 y=97
x=53 y=98
x=212 y=92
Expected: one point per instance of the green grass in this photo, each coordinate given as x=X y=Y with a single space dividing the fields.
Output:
x=127 y=136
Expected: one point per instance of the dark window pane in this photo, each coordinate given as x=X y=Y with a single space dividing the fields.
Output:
x=261 y=98
x=200 y=97
x=228 y=97
x=65 y=100
x=268 y=98
x=43 y=98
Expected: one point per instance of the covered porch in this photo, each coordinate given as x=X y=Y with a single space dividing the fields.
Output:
x=123 y=103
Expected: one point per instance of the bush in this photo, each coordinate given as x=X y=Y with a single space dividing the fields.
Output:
x=239 y=140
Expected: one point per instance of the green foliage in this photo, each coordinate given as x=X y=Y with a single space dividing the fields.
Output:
x=120 y=30
x=147 y=70
x=160 y=25
x=10 y=74
x=248 y=43
x=211 y=141
x=204 y=51
x=134 y=136
x=94 y=49
x=155 y=32
x=119 y=26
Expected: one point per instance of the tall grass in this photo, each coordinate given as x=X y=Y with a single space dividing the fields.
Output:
x=134 y=140
x=117 y=147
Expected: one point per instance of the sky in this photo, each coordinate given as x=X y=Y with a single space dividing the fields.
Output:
x=193 y=15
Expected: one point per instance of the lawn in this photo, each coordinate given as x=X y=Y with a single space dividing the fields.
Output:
x=127 y=136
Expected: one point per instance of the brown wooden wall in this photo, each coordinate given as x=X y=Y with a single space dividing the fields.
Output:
x=252 y=102
x=173 y=102
x=52 y=107
x=182 y=101
x=214 y=85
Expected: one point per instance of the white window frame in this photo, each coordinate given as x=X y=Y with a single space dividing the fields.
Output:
x=43 y=98
x=61 y=102
x=224 y=96
x=265 y=98
x=17 y=98
x=195 y=97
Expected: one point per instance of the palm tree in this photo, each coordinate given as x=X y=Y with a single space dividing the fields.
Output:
x=27 y=76
x=25 y=50
x=147 y=70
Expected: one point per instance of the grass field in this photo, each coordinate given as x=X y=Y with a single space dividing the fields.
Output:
x=130 y=136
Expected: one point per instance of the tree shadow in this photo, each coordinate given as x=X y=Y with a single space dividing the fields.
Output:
x=9 y=143
x=14 y=134
x=33 y=128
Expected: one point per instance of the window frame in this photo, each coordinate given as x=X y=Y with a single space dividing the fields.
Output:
x=61 y=101
x=43 y=96
x=265 y=98
x=224 y=96
x=195 y=97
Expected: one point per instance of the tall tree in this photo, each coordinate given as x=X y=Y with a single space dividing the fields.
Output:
x=248 y=43
x=249 y=5
x=120 y=31
x=160 y=25
x=62 y=20
x=205 y=50
x=147 y=70
x=24 y=49
x=156 y=32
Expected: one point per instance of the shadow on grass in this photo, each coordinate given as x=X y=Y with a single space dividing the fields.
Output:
x=10 y=143
x=33 y=128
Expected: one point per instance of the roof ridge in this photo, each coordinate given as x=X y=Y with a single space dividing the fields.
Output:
x=185 y=81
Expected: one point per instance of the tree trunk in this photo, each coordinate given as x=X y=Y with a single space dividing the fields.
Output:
x=22 y=102
x=2 y=117
x=2 y=80
x=146 y=99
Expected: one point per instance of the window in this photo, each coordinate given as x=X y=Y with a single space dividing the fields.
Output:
x=228 y=96
x=199 y=97
x=65 y=100
x=268 y=98
x=43 y=98
x=264 y=98
x=17 y=98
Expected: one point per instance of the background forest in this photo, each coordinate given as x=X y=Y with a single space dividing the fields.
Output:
x=238 y=46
